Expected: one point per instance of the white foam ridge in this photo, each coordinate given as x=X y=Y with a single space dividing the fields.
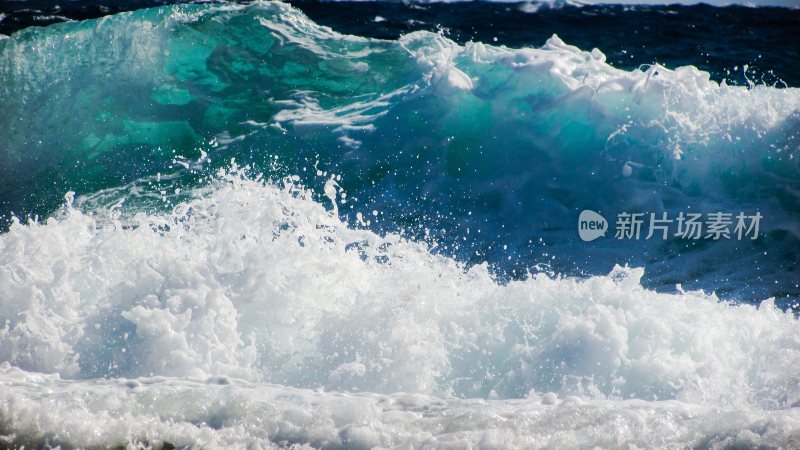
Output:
x=683 y=104
x=251 y=281
x=225 y=413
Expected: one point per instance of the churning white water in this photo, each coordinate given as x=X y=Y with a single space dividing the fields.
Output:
x=247 y=316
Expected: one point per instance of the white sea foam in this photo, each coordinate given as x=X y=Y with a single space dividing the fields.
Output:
x=683 y=103
x=250 y=281
x=218 y=413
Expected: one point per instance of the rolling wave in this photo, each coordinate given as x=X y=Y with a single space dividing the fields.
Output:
x=487 y=150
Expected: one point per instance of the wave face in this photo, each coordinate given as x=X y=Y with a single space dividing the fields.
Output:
x=488 y=151
x=279 y=235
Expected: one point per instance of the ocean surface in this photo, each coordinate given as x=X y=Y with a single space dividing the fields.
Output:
x=362 y=224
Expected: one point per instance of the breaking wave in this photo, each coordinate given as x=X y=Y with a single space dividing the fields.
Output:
x=276 y=234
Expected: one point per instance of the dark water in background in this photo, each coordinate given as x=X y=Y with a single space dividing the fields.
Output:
x=524 y=189
x=718 y=40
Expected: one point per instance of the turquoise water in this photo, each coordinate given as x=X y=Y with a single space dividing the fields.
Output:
x=489 y=152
